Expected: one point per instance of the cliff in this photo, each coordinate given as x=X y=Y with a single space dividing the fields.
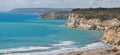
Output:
x=104 y=19
x=94 y=18
x=55 y=15
x=112 y=36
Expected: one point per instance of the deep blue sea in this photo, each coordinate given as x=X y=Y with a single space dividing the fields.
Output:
x=28 y=34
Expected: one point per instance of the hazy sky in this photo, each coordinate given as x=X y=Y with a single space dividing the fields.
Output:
x=6 y=5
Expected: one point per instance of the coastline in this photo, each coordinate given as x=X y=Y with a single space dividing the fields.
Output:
x=106 y=51
x=111 y=50
x=96 y=51
x=102 y=19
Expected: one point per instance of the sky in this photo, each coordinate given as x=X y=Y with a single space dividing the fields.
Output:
x=6 y=5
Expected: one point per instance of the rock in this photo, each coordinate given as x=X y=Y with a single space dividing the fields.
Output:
x=112 y=36
x=112 y=50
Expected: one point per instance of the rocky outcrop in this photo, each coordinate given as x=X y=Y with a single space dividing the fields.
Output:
x=94 y=19
x=55 y=15
x=105 y=19
x=112 y=36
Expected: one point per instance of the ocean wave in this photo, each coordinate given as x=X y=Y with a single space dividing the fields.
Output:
x=61 y=25
x=64 y=43
x=53 y=52
x=61 y=48
x=23 y=49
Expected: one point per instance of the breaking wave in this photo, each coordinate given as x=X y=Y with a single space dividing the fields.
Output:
x=60 y=50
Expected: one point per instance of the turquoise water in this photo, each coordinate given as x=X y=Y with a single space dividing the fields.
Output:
x=28 y=34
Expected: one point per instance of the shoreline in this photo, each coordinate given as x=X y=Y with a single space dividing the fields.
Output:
x=99 y=51
x=94 y=51
x=105 y=51
x=107 y=20
x=110 y=50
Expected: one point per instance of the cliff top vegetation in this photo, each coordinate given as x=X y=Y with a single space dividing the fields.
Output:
x=101 y=13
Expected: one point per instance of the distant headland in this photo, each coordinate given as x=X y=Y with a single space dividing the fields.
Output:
x=47 y=13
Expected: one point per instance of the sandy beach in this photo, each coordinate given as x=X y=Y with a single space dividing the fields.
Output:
x=108 y=51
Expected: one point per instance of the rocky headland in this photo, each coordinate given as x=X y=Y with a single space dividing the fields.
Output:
x=103 y=19
x=38 y=10
x=94 y=18
x=55 y=15
x=46 y=13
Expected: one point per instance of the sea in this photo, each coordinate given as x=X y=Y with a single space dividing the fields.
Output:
x=29 y=34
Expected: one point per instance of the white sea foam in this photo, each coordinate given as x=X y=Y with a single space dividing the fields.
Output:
x=93 y=46
x=63 y=49
x=53 y=52
x=64 y=43
x=22 y=49
x=61 y=25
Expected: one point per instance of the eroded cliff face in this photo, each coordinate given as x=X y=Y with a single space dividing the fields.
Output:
x=107 y=20
x=55 y=15
x=93 y=19
x=112 y=36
